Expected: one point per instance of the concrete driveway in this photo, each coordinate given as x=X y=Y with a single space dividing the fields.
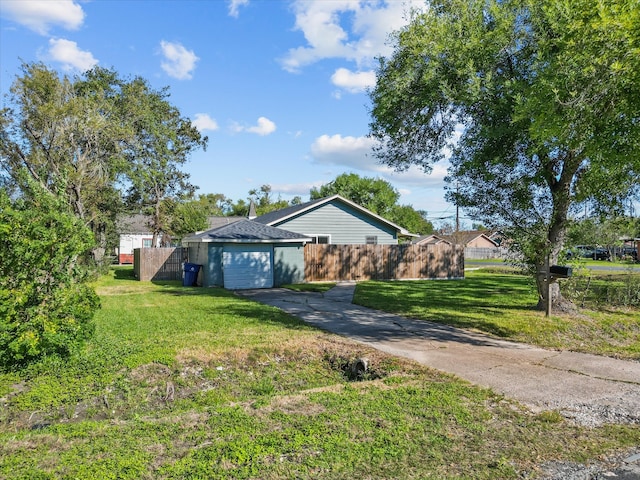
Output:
x=589 y=389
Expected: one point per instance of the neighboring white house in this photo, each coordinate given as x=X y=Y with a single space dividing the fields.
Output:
x=134 y=233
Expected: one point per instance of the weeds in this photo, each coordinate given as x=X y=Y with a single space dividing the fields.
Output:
x=209 y=385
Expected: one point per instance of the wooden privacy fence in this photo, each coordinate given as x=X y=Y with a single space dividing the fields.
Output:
x=382 y=262
x=159 y=263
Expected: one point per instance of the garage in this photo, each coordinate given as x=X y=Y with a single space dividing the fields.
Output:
x=247 y=266
x=245 y=254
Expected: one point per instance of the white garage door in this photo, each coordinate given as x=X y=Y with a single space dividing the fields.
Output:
x=247 y=266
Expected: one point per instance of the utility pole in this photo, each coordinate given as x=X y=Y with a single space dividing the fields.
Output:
x=457 y=234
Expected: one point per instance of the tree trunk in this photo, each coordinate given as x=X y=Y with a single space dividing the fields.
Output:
x=560 y=187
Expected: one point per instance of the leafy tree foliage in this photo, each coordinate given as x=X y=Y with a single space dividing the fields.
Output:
x=213 y=204
x=264 y=201
x=187 y=217
x=46 y=306
x=411 y=219
x=543 y=96
x=83 y=138
x=163 y=143
x=608 y=232
x=374 y=194
x=68 y=138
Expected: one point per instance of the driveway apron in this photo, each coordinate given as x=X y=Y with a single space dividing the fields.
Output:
x=589 y=389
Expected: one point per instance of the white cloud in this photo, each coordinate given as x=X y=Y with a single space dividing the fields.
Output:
x=347 y=151
x=263 y=127
x=70 y=56
x=301 y=189
x=179 y=62
x=353 y=82
x=203 y=122
x=234 y=7
x=357 y=153
x=355 y=30
x=41 y=15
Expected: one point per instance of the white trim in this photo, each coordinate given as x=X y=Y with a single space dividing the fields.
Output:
x=354 y=205
x=243 y=240
x=314 y=236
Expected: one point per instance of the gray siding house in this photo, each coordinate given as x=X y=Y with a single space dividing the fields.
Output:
x=268 y=251
x=336 y=220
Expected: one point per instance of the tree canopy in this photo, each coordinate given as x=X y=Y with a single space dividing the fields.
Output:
x=538 y=101
x=88 y=138
x=73 y=152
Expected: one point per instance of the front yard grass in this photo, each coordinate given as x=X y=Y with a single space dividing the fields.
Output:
x=501 y=304
x=199 y=383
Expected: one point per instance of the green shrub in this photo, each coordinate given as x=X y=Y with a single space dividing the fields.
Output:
x=615 y=290
x=46 y=307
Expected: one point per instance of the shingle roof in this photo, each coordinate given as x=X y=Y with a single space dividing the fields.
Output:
x=215 y=222
x=277 y=215
x=430 y=240
x=136 y=223
x=246 y=231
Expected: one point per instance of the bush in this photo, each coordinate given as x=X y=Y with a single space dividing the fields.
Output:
x=46 y=306
x=613 y=290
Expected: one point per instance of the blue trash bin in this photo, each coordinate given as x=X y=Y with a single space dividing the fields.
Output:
x=190 y=274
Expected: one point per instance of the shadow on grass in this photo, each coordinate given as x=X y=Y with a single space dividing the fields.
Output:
x=227 y=302
x=123 y=273
x=470 y=303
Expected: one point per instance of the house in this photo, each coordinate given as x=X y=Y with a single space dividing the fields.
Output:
x=336 y=220
x=247 y=254
x=470 y=239
x=268 y=250
x=431 y=240
x=134 y=232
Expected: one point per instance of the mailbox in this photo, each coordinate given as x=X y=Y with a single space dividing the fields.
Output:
x=560 y=271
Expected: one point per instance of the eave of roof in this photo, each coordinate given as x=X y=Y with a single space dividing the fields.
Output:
x=279 y=216
x=246 y=231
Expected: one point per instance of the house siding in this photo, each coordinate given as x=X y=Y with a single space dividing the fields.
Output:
x=345 y=225
x=481 y=242
x=288 y=264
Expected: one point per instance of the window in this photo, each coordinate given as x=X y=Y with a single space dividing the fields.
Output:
x=146 y=242
x=371 y=240
x=320 y=239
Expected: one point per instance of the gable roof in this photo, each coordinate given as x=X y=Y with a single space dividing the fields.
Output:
x=246 y=231
x=279 y=216
x=431 y=240
x=465 y=237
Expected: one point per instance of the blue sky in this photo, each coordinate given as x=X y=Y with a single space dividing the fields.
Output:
x=278 y=86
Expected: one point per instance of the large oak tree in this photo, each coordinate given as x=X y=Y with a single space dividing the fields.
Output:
x=538 y=101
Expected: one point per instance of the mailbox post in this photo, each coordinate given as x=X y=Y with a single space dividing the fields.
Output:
x=554 y=272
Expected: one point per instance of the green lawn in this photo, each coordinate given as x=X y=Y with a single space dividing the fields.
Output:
x=198 y=383
x=501 y=304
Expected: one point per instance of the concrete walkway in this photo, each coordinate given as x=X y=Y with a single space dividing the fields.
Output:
x=589 y=389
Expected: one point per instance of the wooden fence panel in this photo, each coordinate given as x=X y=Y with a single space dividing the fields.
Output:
x=382 y=262
x=159 y=263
